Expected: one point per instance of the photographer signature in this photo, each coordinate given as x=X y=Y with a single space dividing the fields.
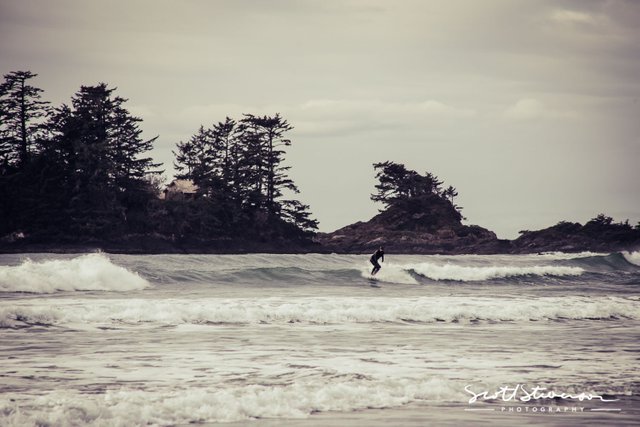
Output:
x=521 y=393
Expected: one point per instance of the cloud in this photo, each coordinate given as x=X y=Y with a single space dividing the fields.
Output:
x=525 y=109
x=531 y=109
x=382 y=111
x=572 y=17
x=338 y=116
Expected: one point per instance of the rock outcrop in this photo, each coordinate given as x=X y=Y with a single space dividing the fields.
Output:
x=598 y=235
x=424 y=225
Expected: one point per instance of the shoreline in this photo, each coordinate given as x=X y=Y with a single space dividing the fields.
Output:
x=267 y=249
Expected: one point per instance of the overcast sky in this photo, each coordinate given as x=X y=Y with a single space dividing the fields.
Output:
x=529 y=108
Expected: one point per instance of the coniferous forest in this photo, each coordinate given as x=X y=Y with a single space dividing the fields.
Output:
x=81 y=172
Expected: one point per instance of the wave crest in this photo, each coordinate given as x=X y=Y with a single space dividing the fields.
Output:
x=92 y=272
x=138 y=407
x=632 y=257
x=467 y=274
x=391 y=273
x=313 y=310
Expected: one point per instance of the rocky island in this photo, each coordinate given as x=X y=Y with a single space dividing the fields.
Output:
x=426 y=224
x=599 y=234
x=420 y=217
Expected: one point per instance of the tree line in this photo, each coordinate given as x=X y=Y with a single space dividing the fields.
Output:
x=82 y=171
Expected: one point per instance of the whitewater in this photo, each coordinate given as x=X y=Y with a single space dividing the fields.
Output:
x=305 y=340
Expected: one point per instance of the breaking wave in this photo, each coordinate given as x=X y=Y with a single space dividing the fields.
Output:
x=315 y=310
x=92 y=272
x=298 y=400
x=632 y=257
x=466 y=274
x=97 y=272
x=392 y=274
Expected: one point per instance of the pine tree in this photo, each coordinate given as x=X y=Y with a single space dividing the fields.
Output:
x=127 y=149
x=22 y=119
x=271 y=131
x=194 y=158
x=239 y=165
x=397 y=184
x=101 y=145
x=450 y=193
x=299 y=215
x=251 y=137
x=392 y=182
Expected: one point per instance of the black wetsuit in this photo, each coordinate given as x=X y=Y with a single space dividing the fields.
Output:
x=379 y=254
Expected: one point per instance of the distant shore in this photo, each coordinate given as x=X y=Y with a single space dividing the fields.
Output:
x=155 y=247
x=399 y=231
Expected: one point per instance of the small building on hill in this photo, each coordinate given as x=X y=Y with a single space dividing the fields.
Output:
x=180 y=189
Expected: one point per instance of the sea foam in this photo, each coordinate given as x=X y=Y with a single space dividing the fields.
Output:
x=253 y=401
x=391 y=273
x=469 y=273
x=632 y=257
x=314 y=310
x=85 y=273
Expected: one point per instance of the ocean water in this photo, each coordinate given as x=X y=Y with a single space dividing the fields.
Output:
x=306 y=340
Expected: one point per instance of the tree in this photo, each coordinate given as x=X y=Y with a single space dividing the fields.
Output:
x=211 y=159
x=600 y=220
x=193 y=159
x=265 y=139
x=128 y=149
x=226 y=155
x=298 y=214
x=397 y=183
x=22 y=119
x=277 y=180
x=102 y=148
x=240 y=165
x=392 y=182
x=450 y=193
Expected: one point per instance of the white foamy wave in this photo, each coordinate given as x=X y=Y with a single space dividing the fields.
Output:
x=19 y=315
x=298 y=400
x=313 y=310
x=467 y=274
x=632 y=257
x=84 y=273
x=391 y=273
x=569 y=255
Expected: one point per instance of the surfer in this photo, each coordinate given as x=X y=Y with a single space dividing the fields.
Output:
x=377 y=255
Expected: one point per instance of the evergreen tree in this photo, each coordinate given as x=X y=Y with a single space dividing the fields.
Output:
x=101 y=145
x=251 y=137
x=397 y=184
x=276 y=174
x=240 y=166
x=210 y=158
x=194 y=157
x=390 y=187
x=229 y=159
x=22 y=117
x=127 y=151
x=299 y=215
x=266 y=141
x=450 y=193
